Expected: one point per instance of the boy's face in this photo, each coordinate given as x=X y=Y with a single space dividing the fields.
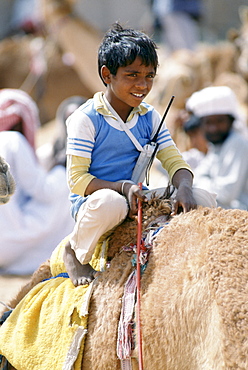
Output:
x=129 y=86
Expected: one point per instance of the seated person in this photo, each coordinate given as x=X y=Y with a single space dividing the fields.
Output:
x=37 y=216
x=198 y=143
x=224 y=169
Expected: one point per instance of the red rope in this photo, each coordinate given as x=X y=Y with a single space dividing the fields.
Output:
x=139 y=235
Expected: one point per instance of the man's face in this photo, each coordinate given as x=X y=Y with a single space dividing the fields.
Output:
x=216 y=127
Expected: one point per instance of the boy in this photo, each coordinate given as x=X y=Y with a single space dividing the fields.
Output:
x=101 y=156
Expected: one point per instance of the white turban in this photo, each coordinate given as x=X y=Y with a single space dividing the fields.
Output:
x=217 y=100
x=213 y=100
x=16 y=104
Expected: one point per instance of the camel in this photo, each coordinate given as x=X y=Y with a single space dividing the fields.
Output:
x=193 y=293
x=54 y=65
x=7 y=183
x=39 y=67
x=75 y=37
x=239 y=39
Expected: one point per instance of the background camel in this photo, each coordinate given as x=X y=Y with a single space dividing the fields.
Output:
x=59 y=63
x=7 y=183
x=194 y=295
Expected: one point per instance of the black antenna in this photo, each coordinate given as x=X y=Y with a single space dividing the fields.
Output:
x=154 y=139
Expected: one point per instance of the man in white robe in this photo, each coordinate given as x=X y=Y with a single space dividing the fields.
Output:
x=37 y=217
x=224 y=169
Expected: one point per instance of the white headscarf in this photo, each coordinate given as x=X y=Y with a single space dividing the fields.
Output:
x=15 y=105
x=216 y=100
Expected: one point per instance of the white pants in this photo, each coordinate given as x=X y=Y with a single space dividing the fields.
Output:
x=104 y=210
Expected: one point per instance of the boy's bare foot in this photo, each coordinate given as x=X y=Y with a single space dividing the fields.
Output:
x=78 y=273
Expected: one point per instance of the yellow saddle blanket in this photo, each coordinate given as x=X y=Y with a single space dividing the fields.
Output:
x=47 y=328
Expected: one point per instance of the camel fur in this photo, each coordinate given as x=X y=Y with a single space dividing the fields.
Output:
x=7 y=183
x=74 y=36
x=239 y=39
x=193 y=299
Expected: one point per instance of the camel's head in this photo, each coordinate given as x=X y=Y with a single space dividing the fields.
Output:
x=52 y=9
x=7 y=183
x=240 y=40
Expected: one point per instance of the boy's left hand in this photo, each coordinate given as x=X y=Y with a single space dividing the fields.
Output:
x=184 y=199
x=133 y=193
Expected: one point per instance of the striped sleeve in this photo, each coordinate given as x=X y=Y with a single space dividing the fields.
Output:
x=80 y=135
x=164 y=137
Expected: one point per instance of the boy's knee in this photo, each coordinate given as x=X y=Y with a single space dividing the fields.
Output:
x=109 y=202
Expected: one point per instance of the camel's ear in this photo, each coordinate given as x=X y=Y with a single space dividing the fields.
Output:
x=243 y=14
x=106 y=75
x=232 y=34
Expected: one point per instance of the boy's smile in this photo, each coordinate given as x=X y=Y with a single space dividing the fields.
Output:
x=129 y=86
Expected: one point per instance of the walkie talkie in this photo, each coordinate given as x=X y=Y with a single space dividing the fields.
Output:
x=146 y=157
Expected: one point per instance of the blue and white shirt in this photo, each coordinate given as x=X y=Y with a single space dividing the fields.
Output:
x=95 y=132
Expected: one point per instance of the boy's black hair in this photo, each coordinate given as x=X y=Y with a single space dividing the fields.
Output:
x=120 y=47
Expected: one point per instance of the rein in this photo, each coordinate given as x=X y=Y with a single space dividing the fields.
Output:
x=126 y=342
x=138 y=277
